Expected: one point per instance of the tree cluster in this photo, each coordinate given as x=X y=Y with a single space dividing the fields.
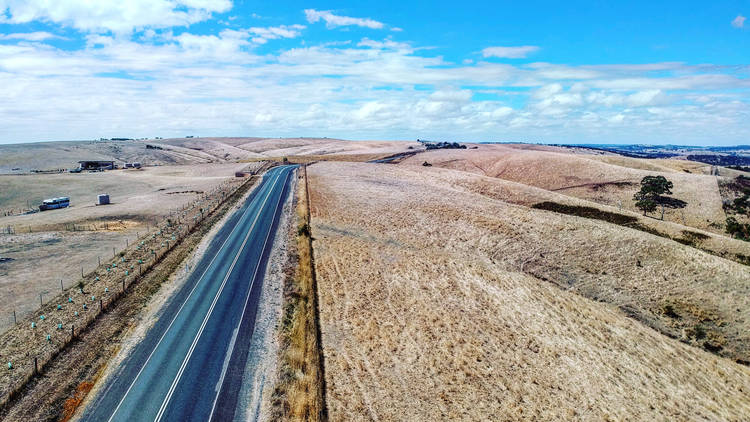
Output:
x=738 y=230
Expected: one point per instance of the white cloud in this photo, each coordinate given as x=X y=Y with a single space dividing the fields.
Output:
x=262 y=35
x=739 y=21
x=112 y=15
x=646 y=98
x=30 y=36
x=385 y=44
x=510 y=52
x=333 y=21
x=548 y=91
x=216 y=84
x=225 y=46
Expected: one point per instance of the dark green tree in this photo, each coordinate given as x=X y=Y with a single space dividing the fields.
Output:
x=653 y=194
x=738 y=230
x=644 y=203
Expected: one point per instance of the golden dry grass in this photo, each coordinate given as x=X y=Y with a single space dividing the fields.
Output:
x=51 y=252
x=434 y=306
x=298 y=395
x=597 y=178
x=521 y=194
x=305 y=159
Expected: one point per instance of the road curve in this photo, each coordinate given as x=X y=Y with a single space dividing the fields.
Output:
x=190 y=364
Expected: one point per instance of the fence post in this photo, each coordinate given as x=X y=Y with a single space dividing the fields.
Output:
x=61 y=286
x=72 y=332
x=14 y=317
x=36 y=368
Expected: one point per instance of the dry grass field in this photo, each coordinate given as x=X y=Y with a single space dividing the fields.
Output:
x=23 y=158
x=442 y=299
x=65 y=155
x=445 y=292
x=45 y=249
x=604 y=179
x=51 y=246
x=279 y=147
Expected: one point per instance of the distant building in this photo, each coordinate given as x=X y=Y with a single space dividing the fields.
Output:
x=96 y=165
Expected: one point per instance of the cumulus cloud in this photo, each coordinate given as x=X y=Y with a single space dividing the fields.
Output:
x=30 y=36
x=166 y=84
x=510 y=52
x=333 y=21
x=111 y=15
x=262 y=35
x=385 y=44
x=739 y=21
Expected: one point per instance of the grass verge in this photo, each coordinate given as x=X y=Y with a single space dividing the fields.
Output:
x=299 y=394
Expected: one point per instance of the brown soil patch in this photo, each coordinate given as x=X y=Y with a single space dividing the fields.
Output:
x=72 y=404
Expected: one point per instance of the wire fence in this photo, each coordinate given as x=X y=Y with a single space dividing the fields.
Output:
x=36 y=338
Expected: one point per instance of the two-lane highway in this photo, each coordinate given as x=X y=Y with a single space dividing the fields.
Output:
x=189 y=367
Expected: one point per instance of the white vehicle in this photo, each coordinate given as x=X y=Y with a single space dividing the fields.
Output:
x=54 y=203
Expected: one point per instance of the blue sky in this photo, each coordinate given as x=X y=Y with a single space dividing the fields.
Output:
x=540 y=71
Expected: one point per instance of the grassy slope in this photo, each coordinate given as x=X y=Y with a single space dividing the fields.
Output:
x=432 y=307
x=582 y=176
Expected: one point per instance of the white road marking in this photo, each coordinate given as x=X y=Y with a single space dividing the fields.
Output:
x=176 y=380
x=244 y=308
x=176 y=315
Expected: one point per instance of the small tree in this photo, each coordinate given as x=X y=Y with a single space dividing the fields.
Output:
x=644 y=203
x=653 y=194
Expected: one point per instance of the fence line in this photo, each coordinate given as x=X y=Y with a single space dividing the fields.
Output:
x=67 y=314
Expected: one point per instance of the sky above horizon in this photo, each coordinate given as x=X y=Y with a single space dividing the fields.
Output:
x=533 y=71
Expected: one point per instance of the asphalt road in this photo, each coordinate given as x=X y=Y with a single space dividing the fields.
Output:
x=190 y=364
